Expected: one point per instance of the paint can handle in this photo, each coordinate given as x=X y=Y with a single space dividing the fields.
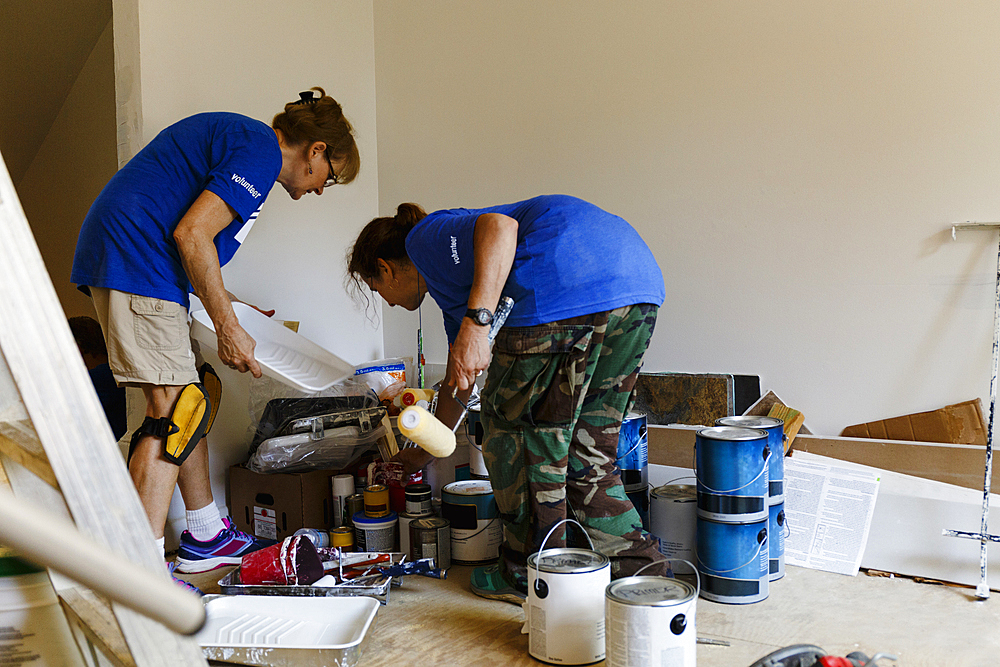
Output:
x=763 y=470
x=679 y=560
x=559 y=523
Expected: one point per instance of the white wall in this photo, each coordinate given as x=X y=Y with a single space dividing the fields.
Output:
x=252 y=58
x=793 y=165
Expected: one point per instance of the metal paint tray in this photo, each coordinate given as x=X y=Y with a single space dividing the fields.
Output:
x=282 y=353
x=255 y=630
x=231 y=585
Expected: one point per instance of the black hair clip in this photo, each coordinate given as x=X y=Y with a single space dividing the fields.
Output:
x=307 y=97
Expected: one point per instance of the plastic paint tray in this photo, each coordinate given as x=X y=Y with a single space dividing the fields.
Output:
x=282 y=354
x=292 y=632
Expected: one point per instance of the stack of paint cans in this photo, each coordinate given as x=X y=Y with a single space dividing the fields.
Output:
x=375 y=527
x=476 y=529
x=775 y=429
x=417 y=504
x=632 y=462
x=732 y=513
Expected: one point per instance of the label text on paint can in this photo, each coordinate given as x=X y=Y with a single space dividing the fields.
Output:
x=418 y=499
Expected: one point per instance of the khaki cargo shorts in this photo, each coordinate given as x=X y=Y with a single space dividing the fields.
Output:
x=149 y=340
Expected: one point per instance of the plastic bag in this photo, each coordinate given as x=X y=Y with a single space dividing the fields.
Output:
x=299 y=452
x=386 y=377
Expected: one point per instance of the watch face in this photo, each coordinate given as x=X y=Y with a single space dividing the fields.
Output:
x=482 y=316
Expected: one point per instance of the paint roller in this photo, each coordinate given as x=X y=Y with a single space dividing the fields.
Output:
x=423 y=428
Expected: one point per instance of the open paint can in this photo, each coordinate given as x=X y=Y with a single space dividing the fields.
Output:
x=775 y=429
x=731 y=467
x=733 y=561
x=672 y=519
x=565 y=606
x=650 y=620
x=476 y=530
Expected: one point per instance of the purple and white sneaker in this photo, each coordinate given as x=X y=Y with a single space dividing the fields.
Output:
x=226 y=548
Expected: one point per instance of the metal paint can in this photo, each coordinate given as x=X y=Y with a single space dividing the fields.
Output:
x=775 y=429
x=565 y=610
x=430 y=537
x=650 y=621
x=343 y=537
x=375 y=533
x=355 y=504
x=733 y=561
x=377 y=501
x=633 y=453
x=777 y=528
x=731 y=469
x=672 y=519
x=640 y=501
x=476 y=434
x=476 y=530
x=418 y=499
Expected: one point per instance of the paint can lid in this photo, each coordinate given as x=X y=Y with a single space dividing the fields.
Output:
x=363 y=521
x=430 y=523
x=468 y=487
x=683 y=493
x=749 y=421
x=731 y=433
x=649 y=591
x=635 y=414
x=568 y=560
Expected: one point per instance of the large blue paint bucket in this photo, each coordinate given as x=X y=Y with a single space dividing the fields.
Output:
x=633 y=453
x=731 y=468
x=775 y=429
x=777 y=528
x=732 y=561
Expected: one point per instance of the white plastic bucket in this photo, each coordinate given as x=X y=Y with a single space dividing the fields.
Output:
x=672 y=519
x=565 y=607
x=33 y=628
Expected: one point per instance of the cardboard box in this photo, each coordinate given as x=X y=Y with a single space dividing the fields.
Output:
x=959 y=424
x=275 y=505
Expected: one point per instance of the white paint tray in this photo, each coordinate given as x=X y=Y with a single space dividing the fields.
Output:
x=286 y=632
x=282 y=353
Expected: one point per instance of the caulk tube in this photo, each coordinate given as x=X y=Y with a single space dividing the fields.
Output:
x=427 y=431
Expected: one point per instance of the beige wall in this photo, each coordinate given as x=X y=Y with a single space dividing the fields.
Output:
x=793 y=165
x=73 y=163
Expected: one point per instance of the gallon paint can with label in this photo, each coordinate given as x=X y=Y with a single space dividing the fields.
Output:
x=731 y=466
x=565 y=607
x=777 y=528
x=775 y=429
x=476 y=529
x=733 y=561
x=650 y=621
x=672 y=519
x=633 y=453
x=430 y=537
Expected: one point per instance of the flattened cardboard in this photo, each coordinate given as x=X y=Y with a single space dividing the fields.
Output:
x=293 y=500
x=961 y=423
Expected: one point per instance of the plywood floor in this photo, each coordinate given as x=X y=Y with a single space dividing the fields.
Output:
x=435 y=622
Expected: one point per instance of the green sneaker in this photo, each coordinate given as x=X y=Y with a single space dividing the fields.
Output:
x=487 y=582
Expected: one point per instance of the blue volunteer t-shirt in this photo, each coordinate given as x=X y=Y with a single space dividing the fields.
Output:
x=126 y=242
x=572 y=259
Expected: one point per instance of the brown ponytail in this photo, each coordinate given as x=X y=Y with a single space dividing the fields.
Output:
x=382 y=238
x=320 y=118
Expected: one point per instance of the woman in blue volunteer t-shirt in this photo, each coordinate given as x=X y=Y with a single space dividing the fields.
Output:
x=586 y=290
x=163 y=227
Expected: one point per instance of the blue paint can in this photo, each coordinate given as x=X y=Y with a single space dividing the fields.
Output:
x=777 y=528
x=633 y=453
x=775 y=429
x=733 y=561
x=731 y=468
x=640 y=500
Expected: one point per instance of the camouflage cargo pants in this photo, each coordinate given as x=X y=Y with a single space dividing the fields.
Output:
x=552 y=408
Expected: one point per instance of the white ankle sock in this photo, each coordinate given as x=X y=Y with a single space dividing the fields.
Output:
x=204 y=524
x=161 y=544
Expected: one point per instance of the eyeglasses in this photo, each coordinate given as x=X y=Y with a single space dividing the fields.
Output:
x=333 y=179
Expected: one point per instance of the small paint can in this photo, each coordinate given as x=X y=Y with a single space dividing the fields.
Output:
x=343 y=537
x=731 y=468
x=430 y=537
x=404 y=532
x=775 y=429
x=650 y=620
x=377 y=501
x=633 y=453
x=672 y=519
x=418 y=499
x=565 y=610
x=733 y=561
x=777 y=527
x=355 y=504
x=319 y=538
x=476 y=530
x=375 y=533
